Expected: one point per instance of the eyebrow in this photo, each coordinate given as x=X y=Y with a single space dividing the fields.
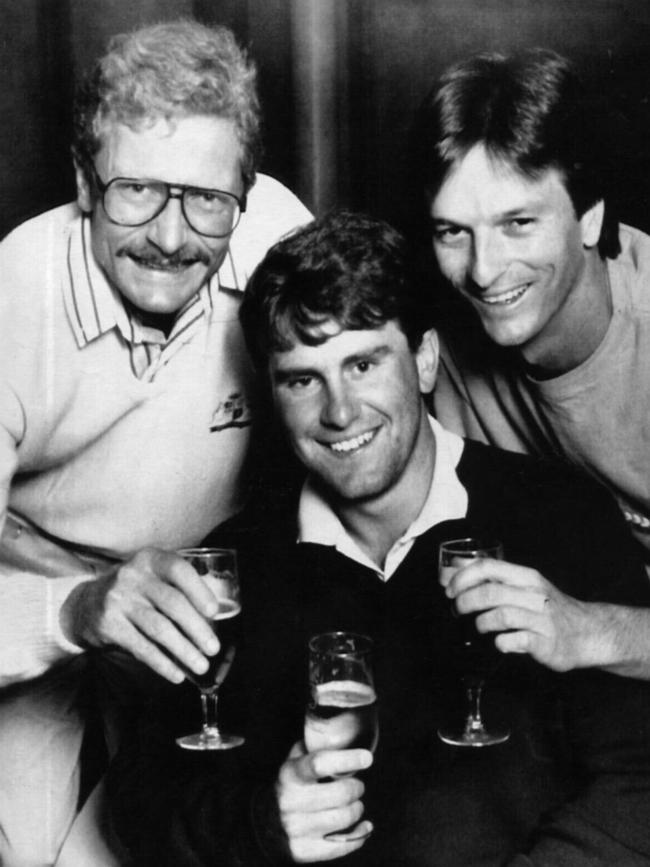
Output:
x=534 y=203
x=280 y=376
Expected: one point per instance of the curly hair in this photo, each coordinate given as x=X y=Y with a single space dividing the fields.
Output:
x=347 y=267
x=168 y=70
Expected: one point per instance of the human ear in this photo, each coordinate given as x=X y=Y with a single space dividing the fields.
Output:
x=84 y=192
x=591 y=223
x=426 y=359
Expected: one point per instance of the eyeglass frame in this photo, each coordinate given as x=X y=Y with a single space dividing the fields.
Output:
x=181 y=190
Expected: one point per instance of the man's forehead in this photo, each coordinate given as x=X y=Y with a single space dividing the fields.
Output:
x=481 y=182
x=337 y=343
x=190 y=148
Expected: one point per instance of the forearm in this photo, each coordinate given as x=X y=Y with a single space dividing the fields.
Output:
x=31 y=640
x=616 y=638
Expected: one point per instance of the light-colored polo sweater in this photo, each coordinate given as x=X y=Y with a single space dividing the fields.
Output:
x=91 y=453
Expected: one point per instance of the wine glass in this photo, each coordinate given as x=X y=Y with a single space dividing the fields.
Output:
x=342 y=710
x=477 y=650
x=218 y=569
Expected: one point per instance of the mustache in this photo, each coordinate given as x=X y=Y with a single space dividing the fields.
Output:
x=182 y=257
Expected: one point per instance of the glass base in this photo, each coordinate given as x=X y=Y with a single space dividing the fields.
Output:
x=203 y=741
x=474 y=737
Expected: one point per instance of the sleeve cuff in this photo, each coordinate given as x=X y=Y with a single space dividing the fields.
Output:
x=58 y=590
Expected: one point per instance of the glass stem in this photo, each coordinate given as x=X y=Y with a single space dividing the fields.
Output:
x=209 y=708
x=474 y=720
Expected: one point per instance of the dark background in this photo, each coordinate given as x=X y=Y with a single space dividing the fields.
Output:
x=339 y=79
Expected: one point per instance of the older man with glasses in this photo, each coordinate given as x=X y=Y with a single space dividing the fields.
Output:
x=125 y=415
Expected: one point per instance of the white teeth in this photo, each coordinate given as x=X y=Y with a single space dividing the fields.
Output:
x=506 y=297
x=353 y=444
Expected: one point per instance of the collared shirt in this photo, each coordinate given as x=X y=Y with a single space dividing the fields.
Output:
x=447 y=500
x=95 y=307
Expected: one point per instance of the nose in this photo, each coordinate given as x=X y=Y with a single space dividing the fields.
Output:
x=488 y=259
x=340 y=406
x=168 y=231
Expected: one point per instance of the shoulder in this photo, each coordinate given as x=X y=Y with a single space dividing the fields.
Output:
x=43 y=228
x=271 y=212
x=632 y=267
x=32 y=247
x=532 y=477
x=552 y=517
x=273 y=207
x=31 y=257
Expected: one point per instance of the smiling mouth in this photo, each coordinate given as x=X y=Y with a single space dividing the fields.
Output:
x=353 y=444
x=505 y=298
x=170 y=267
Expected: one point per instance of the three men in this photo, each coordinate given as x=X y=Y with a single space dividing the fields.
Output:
x=341 y=335
x=549 y=352
x=125 y=407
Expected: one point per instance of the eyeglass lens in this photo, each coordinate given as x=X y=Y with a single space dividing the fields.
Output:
x=133 y=203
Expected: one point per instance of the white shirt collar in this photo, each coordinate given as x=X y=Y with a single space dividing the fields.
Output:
x=447 y=500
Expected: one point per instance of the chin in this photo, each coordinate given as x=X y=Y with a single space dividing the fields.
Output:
x=507 y=336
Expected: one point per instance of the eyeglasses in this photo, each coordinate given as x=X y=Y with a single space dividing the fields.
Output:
x=134 y=202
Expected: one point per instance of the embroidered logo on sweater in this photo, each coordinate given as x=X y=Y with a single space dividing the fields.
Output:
x=234 y=411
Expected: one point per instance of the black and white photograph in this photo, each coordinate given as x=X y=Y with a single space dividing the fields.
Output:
x=325 y=433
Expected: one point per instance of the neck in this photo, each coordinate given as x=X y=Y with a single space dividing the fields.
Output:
x=579 y=326
x=376 y=524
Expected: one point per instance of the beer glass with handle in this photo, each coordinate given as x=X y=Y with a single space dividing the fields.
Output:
x=218 y=569
x=342 y=710
x=476 y=650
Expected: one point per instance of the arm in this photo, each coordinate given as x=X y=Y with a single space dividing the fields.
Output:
x=154 y=606
x=32 y=590
x=534 y=617
x=172 y=807
x=605 y=821
x=54 y=605
x=582 y=600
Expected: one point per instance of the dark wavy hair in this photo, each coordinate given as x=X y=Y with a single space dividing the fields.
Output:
x=346 y=267
x=528 y=110
x=169 y=70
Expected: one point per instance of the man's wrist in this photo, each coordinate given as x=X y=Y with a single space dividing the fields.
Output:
x=613 y=637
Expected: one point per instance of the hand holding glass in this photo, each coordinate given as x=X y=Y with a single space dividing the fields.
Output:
x=342 y=711
x=474 y=657
x=218 y=569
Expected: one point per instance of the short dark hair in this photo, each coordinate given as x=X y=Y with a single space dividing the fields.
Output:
x=345 y=266
x=529 y=110
x=169 y=70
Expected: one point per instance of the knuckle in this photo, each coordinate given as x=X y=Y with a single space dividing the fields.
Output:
x=523 y=641
x=114 y=600
x=356 y=788
x=318 y=768
x=290 y=823
x=283 y=799
x=157 y=627
x=166 y=596
x=348 y=815
x=502 y=618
